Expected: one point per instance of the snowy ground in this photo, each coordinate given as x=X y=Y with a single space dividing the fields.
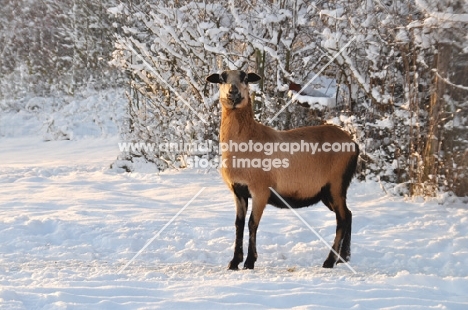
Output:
x=68 y=224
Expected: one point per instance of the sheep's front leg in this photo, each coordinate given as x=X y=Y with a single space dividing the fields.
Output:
x=241 y=211
x=258 y=205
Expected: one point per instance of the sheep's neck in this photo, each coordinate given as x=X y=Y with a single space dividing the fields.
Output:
x=237 y=124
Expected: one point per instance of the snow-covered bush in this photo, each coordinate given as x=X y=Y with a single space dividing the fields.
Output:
x=396 y=69
x=398 y=78
x=168 y=49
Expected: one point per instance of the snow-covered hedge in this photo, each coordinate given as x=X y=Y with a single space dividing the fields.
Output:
x=392 y=86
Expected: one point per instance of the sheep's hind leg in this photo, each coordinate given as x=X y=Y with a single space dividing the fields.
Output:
x=341 y=244
x=345 y=251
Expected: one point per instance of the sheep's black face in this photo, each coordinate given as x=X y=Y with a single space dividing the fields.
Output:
x=234 y=87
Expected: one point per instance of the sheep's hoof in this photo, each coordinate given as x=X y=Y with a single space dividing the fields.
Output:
x=345 y=257
x=233 y=265
x=329 y=263
x=250 y=261
x=249 y=265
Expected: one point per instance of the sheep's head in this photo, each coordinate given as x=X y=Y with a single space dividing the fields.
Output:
x=234 y=87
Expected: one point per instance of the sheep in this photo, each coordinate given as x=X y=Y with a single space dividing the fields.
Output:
x=301 y=178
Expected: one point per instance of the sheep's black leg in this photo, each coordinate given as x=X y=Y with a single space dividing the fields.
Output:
x=252 y=254
x=241 y=210
x=345 y=252
x=341 y=244
x=258 y=205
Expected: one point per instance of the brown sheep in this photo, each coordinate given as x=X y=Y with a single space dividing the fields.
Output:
x=302 y=178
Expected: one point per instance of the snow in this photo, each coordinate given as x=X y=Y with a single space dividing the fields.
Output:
x=91 y=113
x=320 y=94
x=68 y=224
x=444 y=17
x=319 y=101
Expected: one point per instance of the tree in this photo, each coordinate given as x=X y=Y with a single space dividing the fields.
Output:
x=51 y=47
x=402 y=54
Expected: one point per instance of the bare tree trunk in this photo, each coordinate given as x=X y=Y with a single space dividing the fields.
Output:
x=435 y=128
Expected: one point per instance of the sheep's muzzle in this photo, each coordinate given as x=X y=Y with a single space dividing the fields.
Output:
x=234 y=96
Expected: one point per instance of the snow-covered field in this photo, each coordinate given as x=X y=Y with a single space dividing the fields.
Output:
x=68 y=224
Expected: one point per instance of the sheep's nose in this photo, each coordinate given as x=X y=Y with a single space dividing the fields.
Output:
x=233 y=90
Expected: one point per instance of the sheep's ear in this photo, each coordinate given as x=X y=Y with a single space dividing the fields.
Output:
x=253 y=78
x=214 y=78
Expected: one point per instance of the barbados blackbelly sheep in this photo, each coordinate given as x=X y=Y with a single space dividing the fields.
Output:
x=256 y=158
